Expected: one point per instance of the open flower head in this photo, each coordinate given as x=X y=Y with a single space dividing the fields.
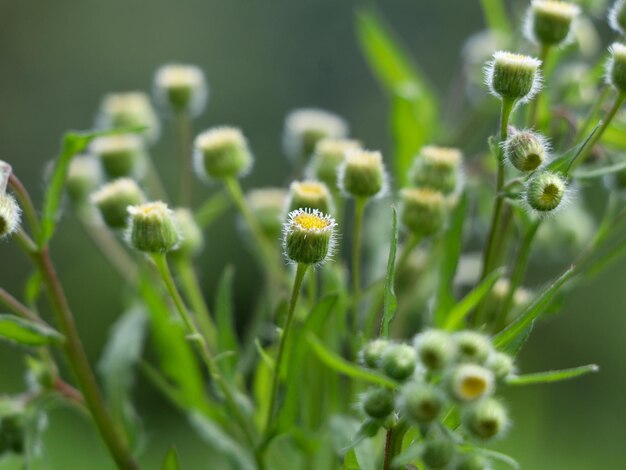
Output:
x=309 y=236
x=550 y=23
x=469 y=382
x=181 y=88
x=221 y=153
x=513 y=77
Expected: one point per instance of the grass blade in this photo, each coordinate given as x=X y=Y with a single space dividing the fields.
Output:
x=552 y=376
x=390 y=302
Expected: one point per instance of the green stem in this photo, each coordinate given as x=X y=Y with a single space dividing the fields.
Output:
x=535 y=106
x=183 y=124
x=26 y=204
x=18 y=308
x=393 y=443
x=198 y=340
x=407 y=249
x=507 y=108
x=496 y=16
x=191 y=286
x=357 y=234
x=597 y=105
x=297 y=286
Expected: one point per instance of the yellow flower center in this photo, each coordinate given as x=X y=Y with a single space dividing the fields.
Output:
x=311 y=189
x=311 y=221
x=473 y=387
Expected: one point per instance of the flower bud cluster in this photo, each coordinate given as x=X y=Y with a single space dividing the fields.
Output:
x=440 y=370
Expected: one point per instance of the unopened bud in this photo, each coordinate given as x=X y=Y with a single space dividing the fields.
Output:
x=113 y=200
x=308 y=236
x=470 y=382
x=472 y=462
x=501 y=365
x=362 y=174
x=435 y=349
x=420 y=403
x=304 y=128
x=437 y=168
x=120 y=155
x=549 y=23
x=486 y=419
x=130 y=109
x=399 y=361
x=616 y=70
x=152 y=228
x=617 y=17
x=437 y=452
x=472 y=346
x=222 y=153
x=267 y=205
x=526 y=150
x=309 y=194
x=513 y=77
x=83 y=177
x=191 y=238
x=327 y=158
x=377 y=403
x=372 y=352
x=9 y=215
x=423 y=210
x=181 y=88
x=545 y=191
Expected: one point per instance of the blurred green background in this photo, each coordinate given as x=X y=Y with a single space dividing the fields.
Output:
x=263 y=58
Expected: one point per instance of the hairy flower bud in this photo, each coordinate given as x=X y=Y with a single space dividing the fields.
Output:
x=152 y=228
x=472 y=346
x=308 y=236
x=399 y=361
x=513 y=77
x=309 y=194
x=435 y=349
x=181 y=88
x=437 y=168
x=549 y=23
x=616 y=69
x=120 y=155
x=372 y=352
x=267 y=205
x=222 y=153
x=362 y=174
x=470 y=382
x=420 y=403
x=9 y=215
x=304 y=128
x=192 y=239
x=377 y=403
x=327 y=158
x=423 y=210
x=472 y=462
x=526 y=150
x=617 y=17
x=83 y=177
x=113 y=199
x=501 y=365
x=130 y=109
x=437 y=452
x=545 y=191
x=486 y=419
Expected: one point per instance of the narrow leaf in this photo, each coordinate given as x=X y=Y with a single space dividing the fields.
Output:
x=563 y=163
x=495 y=14
x=224 y=315
x=534 y=310
x=499 y=456
x=369 y=428
x=215 y=206
x=340 y=365
x=25 y=332
x=462 y=309
x=552 y=376
x=583 y=174
x=390 y=302
x=171 y=460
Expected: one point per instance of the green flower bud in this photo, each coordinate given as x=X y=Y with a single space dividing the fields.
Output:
x=120 y=155
x=308 y=236
x=399 y=361
x=267 y=205
x=423 y=210
x=152 y=228
x=221 y=153
x=327 y=158
x=435 y=349
x=83 y=177
x=9 y=215
x=470 y=382
x=526 y=150
x=131 y=109
x=362 y=174
x=437 y=168
x=309 y=194
x=377 y=403
x=486 y=419
x=304 y=128
x=192 y=239
x=513 y=77
x=549 y=23
x=501 y=365
x=181 y=88
x=616 y=69
x=372 y=352
x=420 y=403
x=472 y=346
x=545 y=191
x=472 y=462
x=617 y=17
x=437 y=452
x=113 y=199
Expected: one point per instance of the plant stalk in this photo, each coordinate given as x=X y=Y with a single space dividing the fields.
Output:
x=183 y=125
x=357 y=235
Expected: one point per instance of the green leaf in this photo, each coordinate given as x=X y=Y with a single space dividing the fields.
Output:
x=415 y=110
x=583 y=174
x=534 y=310
x=25 y=332
x=552 y=376
x=350 y=462
x=368 y=429
x=215 y=206
x=495 y=14
x=452 y=245
x=224 y=315
x=462 y=309
x=515 y=346
x=342 y=366
x=390 y=303
x=505 y=459
x=171 y=460
x=563 y=163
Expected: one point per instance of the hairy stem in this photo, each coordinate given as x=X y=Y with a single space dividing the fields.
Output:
x=27 y=205
x=18 y=307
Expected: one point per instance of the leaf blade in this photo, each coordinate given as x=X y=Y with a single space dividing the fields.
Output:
x=552 y=375
x=390 y=302
x=18 y=330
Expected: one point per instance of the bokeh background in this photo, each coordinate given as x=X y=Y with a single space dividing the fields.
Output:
x=263 y=58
